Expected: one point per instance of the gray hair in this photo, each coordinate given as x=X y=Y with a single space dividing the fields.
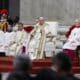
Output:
x=22 y=62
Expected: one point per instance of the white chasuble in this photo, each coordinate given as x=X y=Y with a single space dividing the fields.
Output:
x=50 y=31
x=20 y=41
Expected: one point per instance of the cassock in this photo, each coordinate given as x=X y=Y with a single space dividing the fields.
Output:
x=2 y=43
x=72 y=43
x=20 y=41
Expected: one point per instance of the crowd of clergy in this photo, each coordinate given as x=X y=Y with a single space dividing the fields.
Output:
x=15 y=40
x=38 y=42
x=12 y=34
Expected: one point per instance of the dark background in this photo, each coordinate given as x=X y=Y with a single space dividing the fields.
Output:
x=13 y=7
x=4 y=4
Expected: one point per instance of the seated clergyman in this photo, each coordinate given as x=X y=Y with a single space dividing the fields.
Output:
x=19 y=41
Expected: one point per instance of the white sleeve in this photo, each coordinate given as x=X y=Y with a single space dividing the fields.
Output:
x=77 y=39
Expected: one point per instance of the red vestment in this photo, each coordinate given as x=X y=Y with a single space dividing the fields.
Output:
x=69 y=31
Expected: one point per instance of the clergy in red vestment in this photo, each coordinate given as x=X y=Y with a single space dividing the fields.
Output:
x=72 y=42
x=71 y=28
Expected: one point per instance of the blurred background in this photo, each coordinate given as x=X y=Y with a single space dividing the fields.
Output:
x=63 y=11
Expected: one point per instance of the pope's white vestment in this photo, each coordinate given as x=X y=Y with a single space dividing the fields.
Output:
x=35 y=41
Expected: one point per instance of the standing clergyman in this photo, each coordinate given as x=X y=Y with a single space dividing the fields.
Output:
x=38 y=39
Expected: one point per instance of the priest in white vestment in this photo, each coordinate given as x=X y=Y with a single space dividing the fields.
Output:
x=20 y=40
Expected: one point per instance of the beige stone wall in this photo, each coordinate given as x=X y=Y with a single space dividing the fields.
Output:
x=64 y=11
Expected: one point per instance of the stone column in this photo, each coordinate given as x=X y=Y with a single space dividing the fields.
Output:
x=14 y=8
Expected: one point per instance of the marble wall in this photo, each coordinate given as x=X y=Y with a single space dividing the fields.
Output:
x=64 y=11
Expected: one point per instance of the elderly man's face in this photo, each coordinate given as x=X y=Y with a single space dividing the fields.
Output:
x=41 y=22
x=77 y=24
